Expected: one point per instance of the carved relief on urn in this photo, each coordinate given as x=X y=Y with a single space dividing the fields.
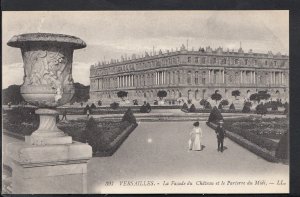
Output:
x=48 y=81
x=47 y=61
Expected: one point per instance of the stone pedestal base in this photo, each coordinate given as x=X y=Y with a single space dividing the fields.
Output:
x=49 y=169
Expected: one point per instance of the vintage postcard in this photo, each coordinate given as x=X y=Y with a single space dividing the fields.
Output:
x=107 y=102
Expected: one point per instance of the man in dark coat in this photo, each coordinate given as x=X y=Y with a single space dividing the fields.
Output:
x=220 y=131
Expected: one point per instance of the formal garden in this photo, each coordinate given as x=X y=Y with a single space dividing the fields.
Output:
x=266 y=137
x=105 y=136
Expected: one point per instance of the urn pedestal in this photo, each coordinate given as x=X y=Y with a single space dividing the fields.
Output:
x=48 y=161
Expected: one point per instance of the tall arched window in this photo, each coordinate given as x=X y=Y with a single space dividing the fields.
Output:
x=189 y=77
x=196 y=77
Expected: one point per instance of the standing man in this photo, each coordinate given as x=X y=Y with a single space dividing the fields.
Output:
x=64 y=115
x=220 y=131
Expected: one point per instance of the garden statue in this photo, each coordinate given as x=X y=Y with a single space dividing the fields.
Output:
x=48 y=83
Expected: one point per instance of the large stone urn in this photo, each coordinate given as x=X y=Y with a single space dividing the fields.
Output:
x=48 y=161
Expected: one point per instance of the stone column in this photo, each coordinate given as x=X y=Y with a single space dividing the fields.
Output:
x=209 y=76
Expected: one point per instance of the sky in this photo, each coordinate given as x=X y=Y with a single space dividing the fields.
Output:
x=111 y=34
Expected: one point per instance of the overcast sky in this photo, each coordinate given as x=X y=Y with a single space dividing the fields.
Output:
x=110 y=34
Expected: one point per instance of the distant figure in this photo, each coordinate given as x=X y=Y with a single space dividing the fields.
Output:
x=88 y=113
x=220 y=131
x=64 y=115
x=9 y=104
x=195 y=140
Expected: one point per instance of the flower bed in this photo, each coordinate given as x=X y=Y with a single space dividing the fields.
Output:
x=272 y=128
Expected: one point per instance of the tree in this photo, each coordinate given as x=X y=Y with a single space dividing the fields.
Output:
x=81 y=94
x=121 y=94
x=235 y=93
x=224 y=102
x=261 y=95
x=161 y=94
x=216 y=97
x=12 y=95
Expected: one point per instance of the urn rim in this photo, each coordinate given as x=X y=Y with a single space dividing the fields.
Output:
x=21 y=40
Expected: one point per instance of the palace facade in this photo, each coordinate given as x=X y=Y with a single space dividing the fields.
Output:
x=191 y=74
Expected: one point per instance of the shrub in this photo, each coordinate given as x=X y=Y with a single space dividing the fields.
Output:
x=192 y=108
x=207 y=105
x=246 y=109
x=129 y=117
x=220 y=106
x=93 y=106
x=148 y=107
x=248 y=104
x=20 y=115
x=224 y=102
x=143 y=109
x=135 y=102
x=282 y=150
x=203 y=102
x=215 y=115
x=261 y=109
x=99 y=103
x=232 y=107
x=189 y=101
x=114 y=105
x=286 y=108
x=91 y=133
x=185 y=107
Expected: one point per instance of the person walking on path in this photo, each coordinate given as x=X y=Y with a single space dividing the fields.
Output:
x=195 y=140
x=64 y=115
x=88 y=113
x=220 y=131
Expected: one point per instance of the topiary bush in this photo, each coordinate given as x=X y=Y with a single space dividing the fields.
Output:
x=220 y=106
x=189 y=101
x=203 y=102
x=185 y=107
x=129 y=117
x=215 y=115
x=246 y=109
x=282 y=150
x=92 y=133
x=192 y=108
x=93 y=106
x=232 y=107
x=148 y=106
x=207 y=105
x=261 y=109
x=114 y=105
x=99 y=103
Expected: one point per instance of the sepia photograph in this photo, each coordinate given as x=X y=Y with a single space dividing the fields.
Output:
x=135 y=102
